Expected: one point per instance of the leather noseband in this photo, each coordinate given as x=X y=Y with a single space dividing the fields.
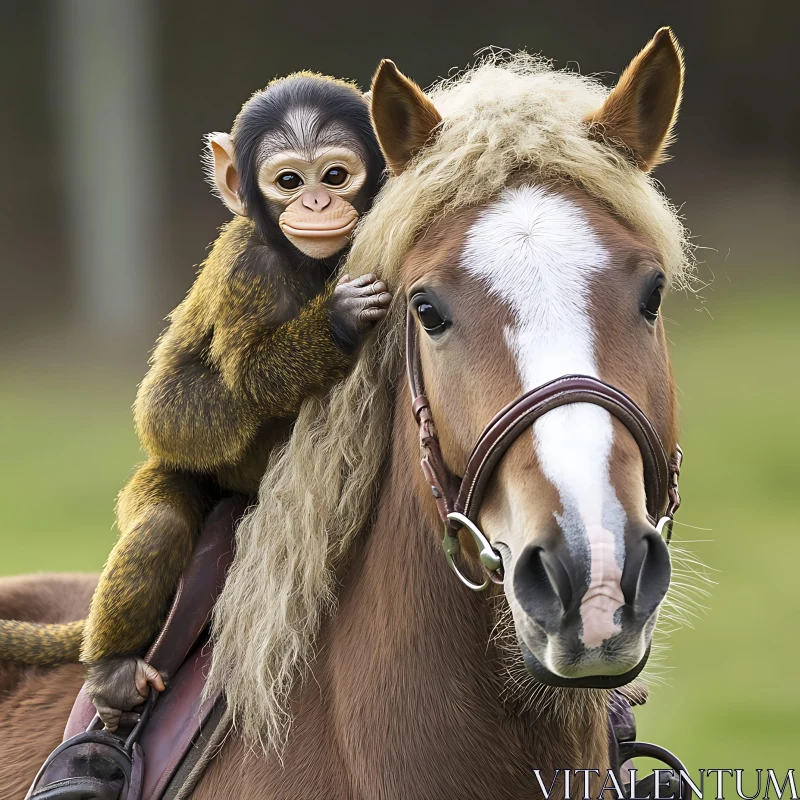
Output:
x=459 y=499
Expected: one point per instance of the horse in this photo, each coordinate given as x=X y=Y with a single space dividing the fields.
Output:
x=527 y=243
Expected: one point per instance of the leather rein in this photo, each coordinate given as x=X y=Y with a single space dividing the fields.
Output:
x=458 y=499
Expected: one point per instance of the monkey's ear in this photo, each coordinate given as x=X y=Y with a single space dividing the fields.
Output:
x=641 y=110
x=403 y=117
x=222 y=171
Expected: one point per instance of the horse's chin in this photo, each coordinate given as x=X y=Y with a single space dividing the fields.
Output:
x=546 y=676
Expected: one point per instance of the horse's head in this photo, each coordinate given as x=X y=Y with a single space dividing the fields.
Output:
x=545 y=281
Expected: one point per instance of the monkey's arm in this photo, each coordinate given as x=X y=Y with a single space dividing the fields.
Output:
x=209 y=391
x=276 y=372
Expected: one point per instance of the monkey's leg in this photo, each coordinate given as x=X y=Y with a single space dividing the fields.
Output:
x=159 y=515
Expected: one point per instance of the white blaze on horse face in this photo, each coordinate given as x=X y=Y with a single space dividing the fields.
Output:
x=536 y=251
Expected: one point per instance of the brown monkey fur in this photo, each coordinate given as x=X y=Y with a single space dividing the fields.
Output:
x=244 y=348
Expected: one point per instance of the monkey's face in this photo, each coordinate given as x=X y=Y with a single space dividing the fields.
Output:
x=313 y=199
x=313 y=191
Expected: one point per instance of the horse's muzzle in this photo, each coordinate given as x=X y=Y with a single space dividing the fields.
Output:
x=552 y=597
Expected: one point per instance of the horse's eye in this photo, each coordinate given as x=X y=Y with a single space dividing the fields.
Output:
x=430 y=318
x=652 y=304
x=289 y=180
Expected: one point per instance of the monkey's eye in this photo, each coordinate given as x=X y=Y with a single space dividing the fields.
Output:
x=289 y=180
x=335 y=176
x=652 y=302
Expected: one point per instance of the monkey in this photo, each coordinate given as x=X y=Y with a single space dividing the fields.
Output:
x=265 y=325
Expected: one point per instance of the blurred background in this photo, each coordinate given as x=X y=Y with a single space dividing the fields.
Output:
x=105 y=217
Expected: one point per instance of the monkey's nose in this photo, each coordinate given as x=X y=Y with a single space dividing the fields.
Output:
x=316 y=201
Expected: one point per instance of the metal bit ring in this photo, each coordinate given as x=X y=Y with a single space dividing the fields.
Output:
x=489 y=557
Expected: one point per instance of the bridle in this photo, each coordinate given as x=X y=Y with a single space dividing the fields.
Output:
x=458 y=499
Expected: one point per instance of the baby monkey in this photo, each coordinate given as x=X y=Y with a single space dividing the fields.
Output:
x=264 y=326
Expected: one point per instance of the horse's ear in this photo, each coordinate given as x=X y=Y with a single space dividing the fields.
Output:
x=403 y=117
x=641 y=110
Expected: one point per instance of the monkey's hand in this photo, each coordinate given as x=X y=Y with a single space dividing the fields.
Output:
x=119 y=684
x=357 y=304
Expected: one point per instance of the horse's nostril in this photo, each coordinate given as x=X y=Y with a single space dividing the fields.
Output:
x=559 y=578
x=634 y=560
x=542 y=586
x=646 y=576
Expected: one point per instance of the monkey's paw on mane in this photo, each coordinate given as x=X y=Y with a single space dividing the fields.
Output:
x=355 y=306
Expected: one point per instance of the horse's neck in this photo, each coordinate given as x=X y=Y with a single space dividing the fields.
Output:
x=415 y=687
x=403 y=701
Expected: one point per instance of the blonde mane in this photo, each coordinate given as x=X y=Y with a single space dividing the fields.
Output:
x=506 y=116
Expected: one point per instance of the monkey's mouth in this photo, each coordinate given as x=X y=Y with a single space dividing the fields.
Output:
x=319 y=231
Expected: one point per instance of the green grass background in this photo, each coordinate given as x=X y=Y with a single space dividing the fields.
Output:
x=730 y=696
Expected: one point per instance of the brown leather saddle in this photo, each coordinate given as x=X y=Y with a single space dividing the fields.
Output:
x=140 y=763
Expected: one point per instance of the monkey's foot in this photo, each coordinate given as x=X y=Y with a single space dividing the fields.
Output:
x=116 y=685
